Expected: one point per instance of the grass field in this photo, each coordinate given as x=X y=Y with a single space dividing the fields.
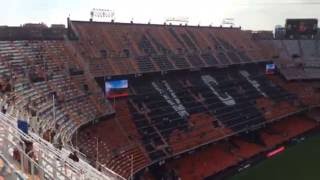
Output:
x=299 y=162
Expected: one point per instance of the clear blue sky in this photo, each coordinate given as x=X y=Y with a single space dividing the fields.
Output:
x=250 y=14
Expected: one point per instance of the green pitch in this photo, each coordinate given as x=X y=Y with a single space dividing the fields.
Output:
x=299 y=162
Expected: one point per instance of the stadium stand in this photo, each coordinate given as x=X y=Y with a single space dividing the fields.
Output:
x=28 y=156
x=286 y=129
x=218 y=157
x=42 y=76
x=292 y=47
x=144 y=45
x=174 y=114
x=308 y=49
x=200 y=165
x=33 y=32
x=282 y=50
x=296 y=59
x=189 y=87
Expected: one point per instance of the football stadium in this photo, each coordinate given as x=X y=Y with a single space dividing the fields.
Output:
x=93 y=99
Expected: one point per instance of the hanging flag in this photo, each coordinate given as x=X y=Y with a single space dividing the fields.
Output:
x=23 y=126
x=270 y=68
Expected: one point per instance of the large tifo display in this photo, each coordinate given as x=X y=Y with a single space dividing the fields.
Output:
x=116 y=88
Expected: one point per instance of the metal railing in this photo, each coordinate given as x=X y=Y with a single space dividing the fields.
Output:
x=45 y=161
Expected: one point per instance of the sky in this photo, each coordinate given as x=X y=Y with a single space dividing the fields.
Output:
x=249 y=14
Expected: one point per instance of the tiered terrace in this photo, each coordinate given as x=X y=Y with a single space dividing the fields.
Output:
x=296 y=59
x=120 y=49
x=46 y=84
x=168 y=115
x=215 y=158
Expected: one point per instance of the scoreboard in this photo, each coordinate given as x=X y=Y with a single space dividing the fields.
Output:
x=296 y=28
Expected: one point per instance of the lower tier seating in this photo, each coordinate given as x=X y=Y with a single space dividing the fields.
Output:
x=165 y=115
x=215 y=158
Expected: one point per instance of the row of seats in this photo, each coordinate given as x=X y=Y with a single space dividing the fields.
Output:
x=120 y=152
x=169 y=114
x=49 y=85
x=160 y=48
x=307 y=49
x=306 y=92
x=203 y=163
x=296 y=59
x=223 y=101
x=301 y=73
x=209 y=161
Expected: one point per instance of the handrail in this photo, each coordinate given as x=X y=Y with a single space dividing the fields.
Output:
x=81 y=168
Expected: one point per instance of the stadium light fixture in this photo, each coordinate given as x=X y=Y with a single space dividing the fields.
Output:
x=179 y=20
x=227 y=22
x=106 y=14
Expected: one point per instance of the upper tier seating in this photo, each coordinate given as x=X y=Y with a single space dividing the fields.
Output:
x=145 y=64
x=163 y=62
x=292 y=47
x=179 y=61
x=309 y=49
x=281 y=49
x=146 y=46
x=210 y=59
x=296 y=59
